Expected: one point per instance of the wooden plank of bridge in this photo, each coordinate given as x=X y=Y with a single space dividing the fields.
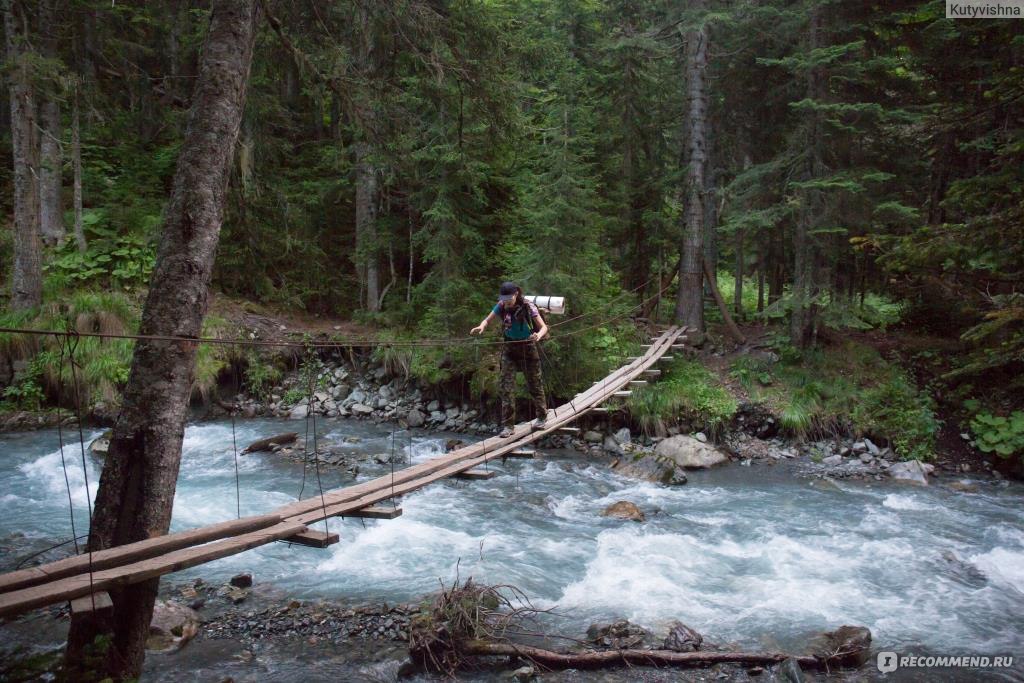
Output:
x=622 y=394
x=133 y=552
x=637 y=382
x=342 y=501
x=527 y=453
x=313 y=539
x=94 y=602
x=375 y=512
x=476 y=474
x=61 y=590
x=652 y=373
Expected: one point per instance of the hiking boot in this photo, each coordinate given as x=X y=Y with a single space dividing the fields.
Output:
x=540 y=422
x=506 y=432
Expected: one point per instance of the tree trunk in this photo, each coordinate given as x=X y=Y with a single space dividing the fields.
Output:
x=51 y=218
x=802 y=322
x=760 y=277
x=76 y=160
x=27 y=270
x=366 y=224
x=737 y=299
x=367 y=188
x=689 y=300
x=607 y=658
x=723 y=308
x=136 y=490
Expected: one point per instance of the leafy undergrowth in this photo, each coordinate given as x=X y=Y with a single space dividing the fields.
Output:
x=842 y=387
x=687 y=391
x=44 y=373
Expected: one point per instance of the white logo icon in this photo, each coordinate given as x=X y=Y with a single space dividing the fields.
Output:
x=888 y=662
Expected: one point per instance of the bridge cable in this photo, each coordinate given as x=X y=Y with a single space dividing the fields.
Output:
x=72 y=348
x=62 y=342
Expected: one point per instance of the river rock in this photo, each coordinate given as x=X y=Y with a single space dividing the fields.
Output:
x=833 y=460
x=682 y=638
x=341 y=392
x=624 y=509
x=623 y=436
x=268 y=444
x=847 y=646
x=433 y=406
x=172 y=626
x=689 y=453
x=910 y=471
x=650 y=467
x=789 y=671
x=357 y=396
x=612 y=446
x=101 y=445
x=618 y=635
x=523 y=674
x=415 y=418
x=243 y=580
x=361 y=409
x=963 y=485
x=591 y=436
x=299 y=412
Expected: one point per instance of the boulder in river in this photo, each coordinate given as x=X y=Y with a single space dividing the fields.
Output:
x=619 y=635
x=415 y=418
x=910 y=471
x=268 y=443
x=101 y=444
x=687 y=452
x=172 y=626
x=847 y=646
x=682 y=638
x=651 y=467
x=624 y=509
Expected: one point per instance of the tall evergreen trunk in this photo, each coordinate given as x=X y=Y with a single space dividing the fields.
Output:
x=51 y=219
x=367 y=186
x=803 y=320
x=136 y=490
x=737 y=299
x=689 y=300
x=366 y=224
x=27 y=270
x=76 y=161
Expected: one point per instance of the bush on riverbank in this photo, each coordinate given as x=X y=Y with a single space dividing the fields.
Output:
x=689 y=391
x=38 y=370
x=843 y=387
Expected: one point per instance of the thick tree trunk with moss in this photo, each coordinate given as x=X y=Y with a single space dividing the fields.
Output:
x=805 y=287
x=690 y=301
x=136 y=490
x=27 y=270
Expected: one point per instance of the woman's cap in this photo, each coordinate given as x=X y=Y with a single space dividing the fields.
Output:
x=507 y=291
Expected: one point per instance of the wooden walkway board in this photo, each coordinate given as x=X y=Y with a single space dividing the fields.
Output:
x=522 y=453
x=133 y=552
x=94 y=602
x=18 y=601
x=313 y=539
x=477 y=474
x=375 y=512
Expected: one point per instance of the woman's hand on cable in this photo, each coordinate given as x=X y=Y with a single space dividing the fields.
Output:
x=534 y=337
x=479 y=329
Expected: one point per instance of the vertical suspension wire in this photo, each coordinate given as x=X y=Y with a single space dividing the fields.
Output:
x=72 y=348
x=234 y=448
x=62 y=345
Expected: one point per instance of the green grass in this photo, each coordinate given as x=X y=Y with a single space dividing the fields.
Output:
x=846 y=387
x=687 y=391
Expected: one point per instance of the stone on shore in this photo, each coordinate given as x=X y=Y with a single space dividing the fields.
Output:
x=689 y=453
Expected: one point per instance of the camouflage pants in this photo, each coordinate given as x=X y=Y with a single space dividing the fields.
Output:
x=523 y=356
